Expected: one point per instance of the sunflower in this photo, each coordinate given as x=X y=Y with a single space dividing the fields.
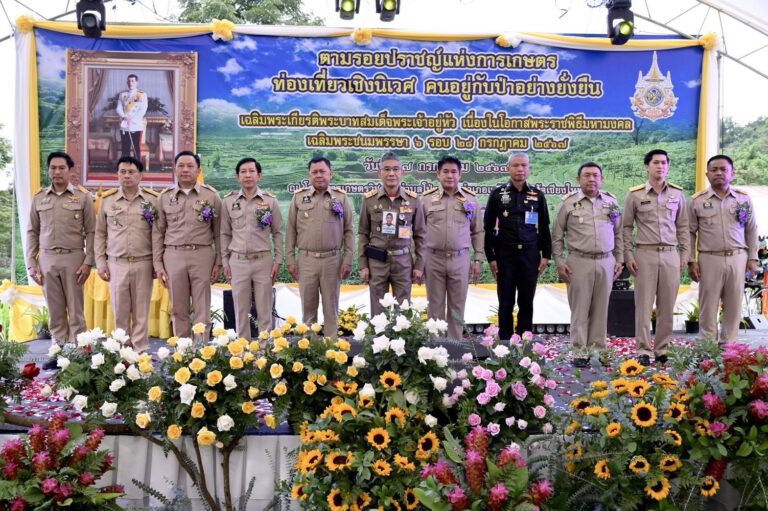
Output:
x=365 y=401
x=658 y=490
x=342 y=409
x=378 y=438
x=670 y=463
x=395 y=413
x=410 y=501
x=702 y=427
x=709 y=486
x=336 y=460
x=676 y=412
x=309 y=460
x=631 y=368
x=638 y=388
x=665 y=381
x=681 y=395
x=619 y=385
x=403 y=463
x=573 y=426
x=595 y=410
x=644 y=414
x=327 y=436
x=674 y=437
x=297 y=492
x=580 y=404
x=599 y=385
x=349 y=389
x=613 y=429
x=639 y=465
x=601 y=394
x=362 y=501
x=336 y=501
x=574 y=452
x=429 y=442
x=390 y=380
x=602 y=471
x=382 y=468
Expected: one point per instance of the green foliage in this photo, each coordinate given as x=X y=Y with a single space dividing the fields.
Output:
x=746 y=145
x=258 y=12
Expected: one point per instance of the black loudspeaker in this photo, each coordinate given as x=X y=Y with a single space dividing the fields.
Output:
x=229 y=313
x=621 y=313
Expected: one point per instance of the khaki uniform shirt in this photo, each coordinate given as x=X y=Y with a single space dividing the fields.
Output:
x=122 y=230
x=408 y=224
x=314 y=226
x=241 y=228
x=588 y=226
x=179 y=221
x=715 y=220
x=661 y=219
x=65 y=221
x=454 y=222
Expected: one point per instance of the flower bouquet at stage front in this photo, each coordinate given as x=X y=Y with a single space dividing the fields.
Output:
x=623 y=447
x=349 y=318
x=475 y=479
x=507 y=393
x=56 y=466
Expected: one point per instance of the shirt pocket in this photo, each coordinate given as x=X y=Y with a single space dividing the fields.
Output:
x=435 y=213
x=174 y=213
x=707 y=216
x=117 y=219
x=73 y=210
x=45 y=212
x=237 y=216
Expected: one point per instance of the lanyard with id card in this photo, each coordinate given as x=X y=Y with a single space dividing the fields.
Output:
x=531 y=218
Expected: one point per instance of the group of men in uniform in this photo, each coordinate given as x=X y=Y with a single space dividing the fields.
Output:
x=186 y=234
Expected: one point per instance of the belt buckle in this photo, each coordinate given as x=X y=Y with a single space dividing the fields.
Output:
x=660 y=248
x=131 y=259
x=728 y=253
x=317 y=255
x=519 y=246
x=59 y=251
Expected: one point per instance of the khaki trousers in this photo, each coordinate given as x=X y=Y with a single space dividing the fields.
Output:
x=189 y=276
x=722 y=278
x=588 y=295
x=63 y=294
x=448 y=280
x=395 y=271
x=658 y=277
x=254 y=274
x=130 y=289
x=320 y=276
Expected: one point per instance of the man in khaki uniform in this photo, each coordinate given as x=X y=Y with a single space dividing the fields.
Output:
x=724 y=220
x=320 y=229
x=591 y=221
x=124 y=249
x=60 y=248
x=454 y=227
x=251 y=227
x=385 y=248
x=658 y=210
x=185 y=244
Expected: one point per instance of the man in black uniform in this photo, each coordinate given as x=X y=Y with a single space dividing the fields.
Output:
x=518 y=244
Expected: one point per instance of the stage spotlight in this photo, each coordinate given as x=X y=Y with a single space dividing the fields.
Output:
x=387 y=9
x=347 y=8
x=621 y=21
x=91 y=17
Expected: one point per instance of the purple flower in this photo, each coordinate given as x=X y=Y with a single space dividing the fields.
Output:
x=474 y=420
x=469 y=210
x=483 y=398
x=501 y=374
x=338 y=209
x=149 y=217
x=519 y=390
x=207 y=214
x=266 y=220
x=493 y=428
x=718 y=428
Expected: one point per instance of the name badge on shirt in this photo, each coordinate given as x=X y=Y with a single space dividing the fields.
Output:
x=306 y=199
x=235 y=206
x=531 y=218
x=404 y=232
x=707 y=205
x=644 y=202
x=505 y=198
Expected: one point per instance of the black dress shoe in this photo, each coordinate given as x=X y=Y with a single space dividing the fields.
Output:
x=644 y=360
x=581 y=363
x=661 y=359
x=51 y=363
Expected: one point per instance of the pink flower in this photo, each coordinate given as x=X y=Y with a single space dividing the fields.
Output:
x=13 y=450
x=539 y=349
x=499 y=407
x=493 y=428
x=718 y=428
x=94 y=439
x=547 y=428
x=474 y=420
x=535 y=368
x=760 y=387
x=477 y=440
x=483 y=398
x=511 y=454
x=466 y=383
x=42 y=462
x=491 y=330
x=714 y=404
x=477 y=371
x=541 y=491
x=86 y=479
x=549 y=400
x=510 y=421
x=497 y=497
x=501 y=374
x=18 y=504
x=11 y=470
x=519 y=390
x=492 y=389
x=474 y=465
x=527 y=336
x=37 y=438
x=525 y=362
x=487 y=341
x=63 y=492
x=758 y=409
x=550 y=384
x=458 y=391
x=462 y=375
x=538 y=380
x=442 y=472
x=515 y=341
x=466 y=357
x=49 y=485
x=522 y=424
x=487 y=375
x=539 y=412
x=458 y=499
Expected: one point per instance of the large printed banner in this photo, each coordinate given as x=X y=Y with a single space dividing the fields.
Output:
x=283 y=95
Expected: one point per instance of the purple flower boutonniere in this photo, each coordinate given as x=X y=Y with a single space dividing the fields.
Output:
x=743 y=213
x=148 y=212
x=469 y=210
x=207 y=213
x=337 y=208
x=264 y=217
x=614 y=213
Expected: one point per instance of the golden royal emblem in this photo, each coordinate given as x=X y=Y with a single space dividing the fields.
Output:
x=654 y=98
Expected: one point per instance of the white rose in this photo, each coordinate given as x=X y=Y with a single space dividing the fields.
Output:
x=430 y=421
x=183 y=344
x=108 y=409
x=119 y=368
x=380 y=344
x=46 y=391
x=111 y=345
x=359 y=332
x=405 y=305
x=187 y=393
x=412 y=397
x=401 y=323
x=398 y=346
x=84 y=339
x=367 y=390
x=97 y=333
x=163 y=353
x=547 y=428
x=116 y=385
x=379 y=323
x=225 y=423
x=419 y=304
x=97 y=360
x=424 y=354
x=62 y=362
x=359 y=361
x=440 y=356
x=432 y=326
x=232 y=334
x=65 y=392
x=388 y=300
x=439 y=382
x=501 y=351
x=221 y=341
x=229 y=382
x=132 y=373
x=129 y=355
x=442 y=325
x=448 y=401
x=79 y=402
x=54 y=350
x=120 y=336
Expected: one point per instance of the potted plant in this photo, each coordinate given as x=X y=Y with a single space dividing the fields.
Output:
x=40 y=317
x=692 y=318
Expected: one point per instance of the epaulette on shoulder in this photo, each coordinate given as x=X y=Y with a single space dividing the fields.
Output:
x=340 y=190
x=609 y=194
x=411 y=194
x=268 y=194
x=166 y=190
x=697 y=194
x=468 y=192
x=152 y=192
x=210 y=188
x=673 y=185
x=41 y=189
x=636 y=188
x=371 y=193
x=569 y=194
x=83 y=189
x=739 y=190
x=302 y=189
x=230 y=194
x=431 y=190
x=106 y=194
